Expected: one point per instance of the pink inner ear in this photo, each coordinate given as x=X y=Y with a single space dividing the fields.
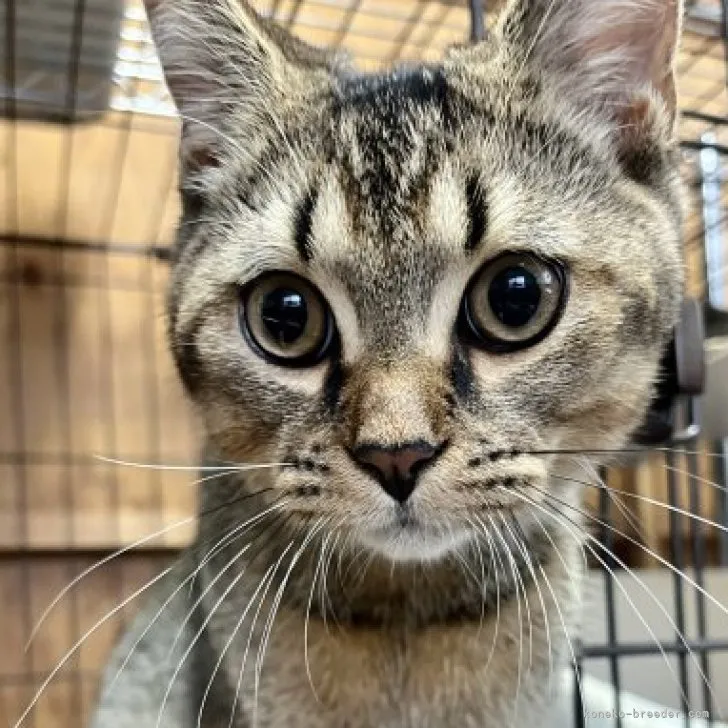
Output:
x=643 y=47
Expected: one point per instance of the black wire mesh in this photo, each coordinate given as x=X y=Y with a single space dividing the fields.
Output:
x=88 y=191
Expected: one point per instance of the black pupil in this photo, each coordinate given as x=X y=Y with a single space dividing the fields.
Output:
x=285 y=314
x=514 y=296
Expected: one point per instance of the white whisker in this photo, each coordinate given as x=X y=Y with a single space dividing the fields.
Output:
x=646 y=499
x=274 y=611
x=549 y=586
x=82 y=639
x=566 y=523
x=269 y=579
x=239 y=529
x=190 y=612
x=492 y=548
x=589 y=469
x=244 y=467
x=518 y=583
x=644 y=548
x=483 y=582
x=576 y=536
x=234 y=582
x=144 y=633
x=317 y=571
x=266 y=578
x=89 y=570
x=529 y=565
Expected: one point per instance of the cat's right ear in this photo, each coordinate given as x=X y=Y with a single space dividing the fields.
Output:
x=619 y=54
x=230 y=72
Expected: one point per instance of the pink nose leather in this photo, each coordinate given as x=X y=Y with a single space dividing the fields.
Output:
x=395 y=468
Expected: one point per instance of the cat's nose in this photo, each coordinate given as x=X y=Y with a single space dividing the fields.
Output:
x=396 y=468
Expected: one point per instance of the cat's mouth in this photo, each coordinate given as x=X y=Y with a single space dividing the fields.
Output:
x=406 y=532
x=405 y=535
x=405 y=518
x=402 y=522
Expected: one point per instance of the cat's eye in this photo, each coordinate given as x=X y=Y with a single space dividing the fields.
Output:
x=513 y=302
x=286 y=320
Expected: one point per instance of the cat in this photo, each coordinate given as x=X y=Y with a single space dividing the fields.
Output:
x=403 y=303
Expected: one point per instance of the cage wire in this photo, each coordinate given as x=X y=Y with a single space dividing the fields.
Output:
x=87 y=214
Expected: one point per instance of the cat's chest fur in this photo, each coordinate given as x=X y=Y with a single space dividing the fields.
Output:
x=460 y=674
x=464 y=674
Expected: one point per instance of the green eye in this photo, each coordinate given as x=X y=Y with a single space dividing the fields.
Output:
x=513 y=302
x=286 y=320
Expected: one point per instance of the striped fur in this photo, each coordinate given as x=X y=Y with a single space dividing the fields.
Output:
x=389 y=192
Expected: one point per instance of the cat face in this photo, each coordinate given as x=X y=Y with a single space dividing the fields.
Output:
x=411 y=289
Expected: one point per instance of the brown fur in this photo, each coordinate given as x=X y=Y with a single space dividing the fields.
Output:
x=557 y=131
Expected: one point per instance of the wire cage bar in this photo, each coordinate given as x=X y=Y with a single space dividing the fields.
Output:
x=88 y=207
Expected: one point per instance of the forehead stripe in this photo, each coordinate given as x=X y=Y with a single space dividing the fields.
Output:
x=477 y=213
x=302 y=225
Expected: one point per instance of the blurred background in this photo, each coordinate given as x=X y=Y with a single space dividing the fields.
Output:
x=88 y=206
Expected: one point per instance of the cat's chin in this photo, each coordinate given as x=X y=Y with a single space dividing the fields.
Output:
x=410 y=540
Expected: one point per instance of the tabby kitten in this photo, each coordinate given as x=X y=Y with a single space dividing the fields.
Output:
x=402 y=301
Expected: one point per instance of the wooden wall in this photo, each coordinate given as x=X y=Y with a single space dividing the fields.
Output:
x=27 y=586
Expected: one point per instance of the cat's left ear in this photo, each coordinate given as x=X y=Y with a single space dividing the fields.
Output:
x=231 y=73
x=619 y=54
